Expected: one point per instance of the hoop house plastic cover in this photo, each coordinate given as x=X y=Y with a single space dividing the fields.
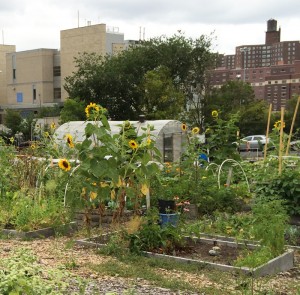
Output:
x=168 y=133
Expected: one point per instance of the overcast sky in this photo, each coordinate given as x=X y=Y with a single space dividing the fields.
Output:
x=31 y=24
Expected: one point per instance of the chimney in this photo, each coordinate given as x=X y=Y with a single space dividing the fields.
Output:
x=142 y=118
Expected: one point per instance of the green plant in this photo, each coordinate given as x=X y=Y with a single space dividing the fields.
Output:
x=269 y=225
x=21 y=274
x=153 y=237
x=286 y=186
x=254 y=258
x=22 y=212
x=111 y=166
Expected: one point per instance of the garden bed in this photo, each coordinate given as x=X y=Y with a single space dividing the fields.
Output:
x=40 y=233
x=96 y=219
x=296 y=244
x=198 y=253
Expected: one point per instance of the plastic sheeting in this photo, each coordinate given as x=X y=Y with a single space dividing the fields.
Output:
x=169 y=136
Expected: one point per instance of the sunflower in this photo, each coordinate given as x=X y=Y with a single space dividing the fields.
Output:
x=149 y=141
x=52 y=126
x=46 y=134
x=195 y=130
x=91 y=108
x=133 y=144
x=64 y=164
x=127 y=125
x=69 y=139
x=277 y=125
x=93 y=196
x=215 y=114
x=33 y=146
x=183 y=127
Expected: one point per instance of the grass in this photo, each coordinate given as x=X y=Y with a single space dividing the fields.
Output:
x=161 y=272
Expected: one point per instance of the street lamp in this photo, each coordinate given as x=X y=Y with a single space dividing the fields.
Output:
x=244 y=50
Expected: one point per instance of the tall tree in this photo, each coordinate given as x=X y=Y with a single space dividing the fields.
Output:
x=73 y=110
x=116 y=81
x=232 y=97
x=162 y=100
x=254 y=118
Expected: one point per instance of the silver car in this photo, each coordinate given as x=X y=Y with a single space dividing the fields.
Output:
x=252 y=143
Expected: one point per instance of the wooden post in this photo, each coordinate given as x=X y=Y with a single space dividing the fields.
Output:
x=267 y=132
x=280 y=141
x=292 y=127
x=229 y=176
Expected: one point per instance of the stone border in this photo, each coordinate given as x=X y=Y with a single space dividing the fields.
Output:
x=231 y=239
x=40 y=233
x=278 y=264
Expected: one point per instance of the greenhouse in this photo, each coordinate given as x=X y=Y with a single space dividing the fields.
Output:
x=170 y=139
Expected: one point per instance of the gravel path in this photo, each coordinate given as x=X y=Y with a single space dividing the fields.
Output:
x=58 y=252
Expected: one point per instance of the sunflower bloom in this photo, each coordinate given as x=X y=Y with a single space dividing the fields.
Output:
x=277 y=125
x=133 y=144
x=149 y=141
x=12 y=139
x=64 y=164
x=33 y=146
x=69 y=139
x=183 y=127
x=215 y=114
x=52 y=126
x=195 y=130
x=93 y=195
x=91 y=108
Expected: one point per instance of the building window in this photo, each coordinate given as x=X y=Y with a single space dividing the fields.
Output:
x=34 y=94
x=14 y=74
x=56 y=71
x=19 y=97
x=57 y=93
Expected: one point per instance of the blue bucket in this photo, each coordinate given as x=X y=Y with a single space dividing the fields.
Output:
x=168 y=219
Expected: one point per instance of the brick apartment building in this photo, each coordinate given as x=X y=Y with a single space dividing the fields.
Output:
x=272 y=69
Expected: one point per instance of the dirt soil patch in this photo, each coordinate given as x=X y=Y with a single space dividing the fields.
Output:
x=201 y=251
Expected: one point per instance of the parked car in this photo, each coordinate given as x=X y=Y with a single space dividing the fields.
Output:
x=295 y=146
x=253 y=143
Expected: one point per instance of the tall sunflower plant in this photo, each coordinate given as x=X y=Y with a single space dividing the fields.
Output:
x=114 y=169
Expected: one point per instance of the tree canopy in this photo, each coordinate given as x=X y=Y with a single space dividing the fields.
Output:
x=125 y=84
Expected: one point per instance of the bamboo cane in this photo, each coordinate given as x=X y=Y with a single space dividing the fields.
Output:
x=280 y=141
x=292 y=127
x=267 y=133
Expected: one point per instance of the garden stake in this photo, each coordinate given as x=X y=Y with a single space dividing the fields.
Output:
x=280 y=141
x=292 y=127
x=267 y=133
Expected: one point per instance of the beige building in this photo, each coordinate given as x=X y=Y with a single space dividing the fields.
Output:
x=4 y=49
x=89 y=39
x=31 y=82
x=33 y=79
